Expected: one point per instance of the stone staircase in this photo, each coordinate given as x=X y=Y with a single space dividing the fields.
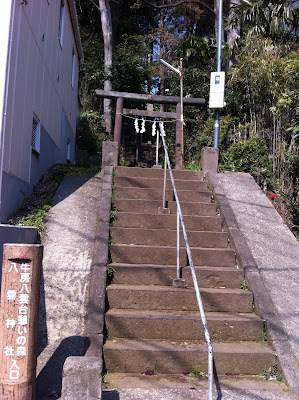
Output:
x=153 y=326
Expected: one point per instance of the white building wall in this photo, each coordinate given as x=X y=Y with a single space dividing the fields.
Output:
x=41 y=82
x=5 y=10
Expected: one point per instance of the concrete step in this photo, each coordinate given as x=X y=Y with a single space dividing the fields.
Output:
x=129 y=356
x=157 y=173
x=139 y=297
x=157 y=194
x=142 y=182
x=166 y=221
x=163 y=237
x=162 y=325
x=152 y=207
x=150 y=385
x=166 y=255
x=162 y=275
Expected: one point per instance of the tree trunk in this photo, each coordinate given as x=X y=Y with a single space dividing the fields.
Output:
x=216 y=12
x=162 y=52
x=232 y=35
x=107 y=36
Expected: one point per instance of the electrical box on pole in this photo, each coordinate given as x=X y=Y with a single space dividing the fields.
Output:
x=217 y=84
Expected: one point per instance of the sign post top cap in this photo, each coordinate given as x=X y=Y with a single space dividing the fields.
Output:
x=170 y=66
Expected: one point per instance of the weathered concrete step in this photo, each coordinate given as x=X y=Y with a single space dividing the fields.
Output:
x=157 y=173
x=166 y=221
x=162 y=325
x=141 y=182
x=163 y=237
x=157 y=194
x=186 y=387
x=125 y=355
x=152 y=207
x=146 y=297
x=166 y=255
x=162 y=275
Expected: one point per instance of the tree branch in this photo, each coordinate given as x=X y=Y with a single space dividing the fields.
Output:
x=179 y=3
x=95 y=5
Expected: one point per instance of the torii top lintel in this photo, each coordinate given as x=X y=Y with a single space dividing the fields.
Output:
x=148 y=98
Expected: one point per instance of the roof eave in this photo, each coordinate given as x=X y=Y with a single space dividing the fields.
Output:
x=75 y=24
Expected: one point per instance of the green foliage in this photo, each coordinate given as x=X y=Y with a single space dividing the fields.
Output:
x=91 y=72
x=244 y=285
x=246 y=156
x=263 y=91
x=273 y=373
x=196 y=51
x=276 y=19
x=292 y=165
x=193 y=166
x=131 y=69
x=37 y=219
x=90 y=132
x=113 y=210
x=110 y=274
x=196 y=373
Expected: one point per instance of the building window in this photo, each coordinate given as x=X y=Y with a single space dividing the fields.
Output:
x=73 y=67
x=35 y=135
x=68 y=151
x=61 y=22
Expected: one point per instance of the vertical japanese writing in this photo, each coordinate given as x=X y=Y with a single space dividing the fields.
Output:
x=16 y=322
x=20 y=290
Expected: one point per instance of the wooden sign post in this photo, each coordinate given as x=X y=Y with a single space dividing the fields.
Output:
x=20 y=292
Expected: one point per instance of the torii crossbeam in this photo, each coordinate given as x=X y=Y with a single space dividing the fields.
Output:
x=147 y=98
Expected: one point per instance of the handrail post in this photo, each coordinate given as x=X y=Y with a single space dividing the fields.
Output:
x=157 y=148
x=178 y=272
x=164 y=186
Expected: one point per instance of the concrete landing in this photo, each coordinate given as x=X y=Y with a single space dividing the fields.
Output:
x=68 y=252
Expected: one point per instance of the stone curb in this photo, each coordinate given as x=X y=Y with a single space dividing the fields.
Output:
x=82 y=378
x=263 y=304
x=94 y=324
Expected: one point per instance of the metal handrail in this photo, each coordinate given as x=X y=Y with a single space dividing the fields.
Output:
x=198 y=295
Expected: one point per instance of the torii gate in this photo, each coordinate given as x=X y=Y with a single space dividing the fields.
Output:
x=151 y=99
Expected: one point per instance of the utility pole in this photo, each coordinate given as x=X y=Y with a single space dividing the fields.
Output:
x=219 y=51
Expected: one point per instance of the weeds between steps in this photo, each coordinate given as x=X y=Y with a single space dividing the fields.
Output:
x=244 y=285
x=273 y=373
x=110 y=274
x=196 y=373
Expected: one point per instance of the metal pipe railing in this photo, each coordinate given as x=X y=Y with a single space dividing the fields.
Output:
x=198 y=295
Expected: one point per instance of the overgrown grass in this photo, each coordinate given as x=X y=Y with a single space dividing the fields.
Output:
x=36 y=219
x=193 y=166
